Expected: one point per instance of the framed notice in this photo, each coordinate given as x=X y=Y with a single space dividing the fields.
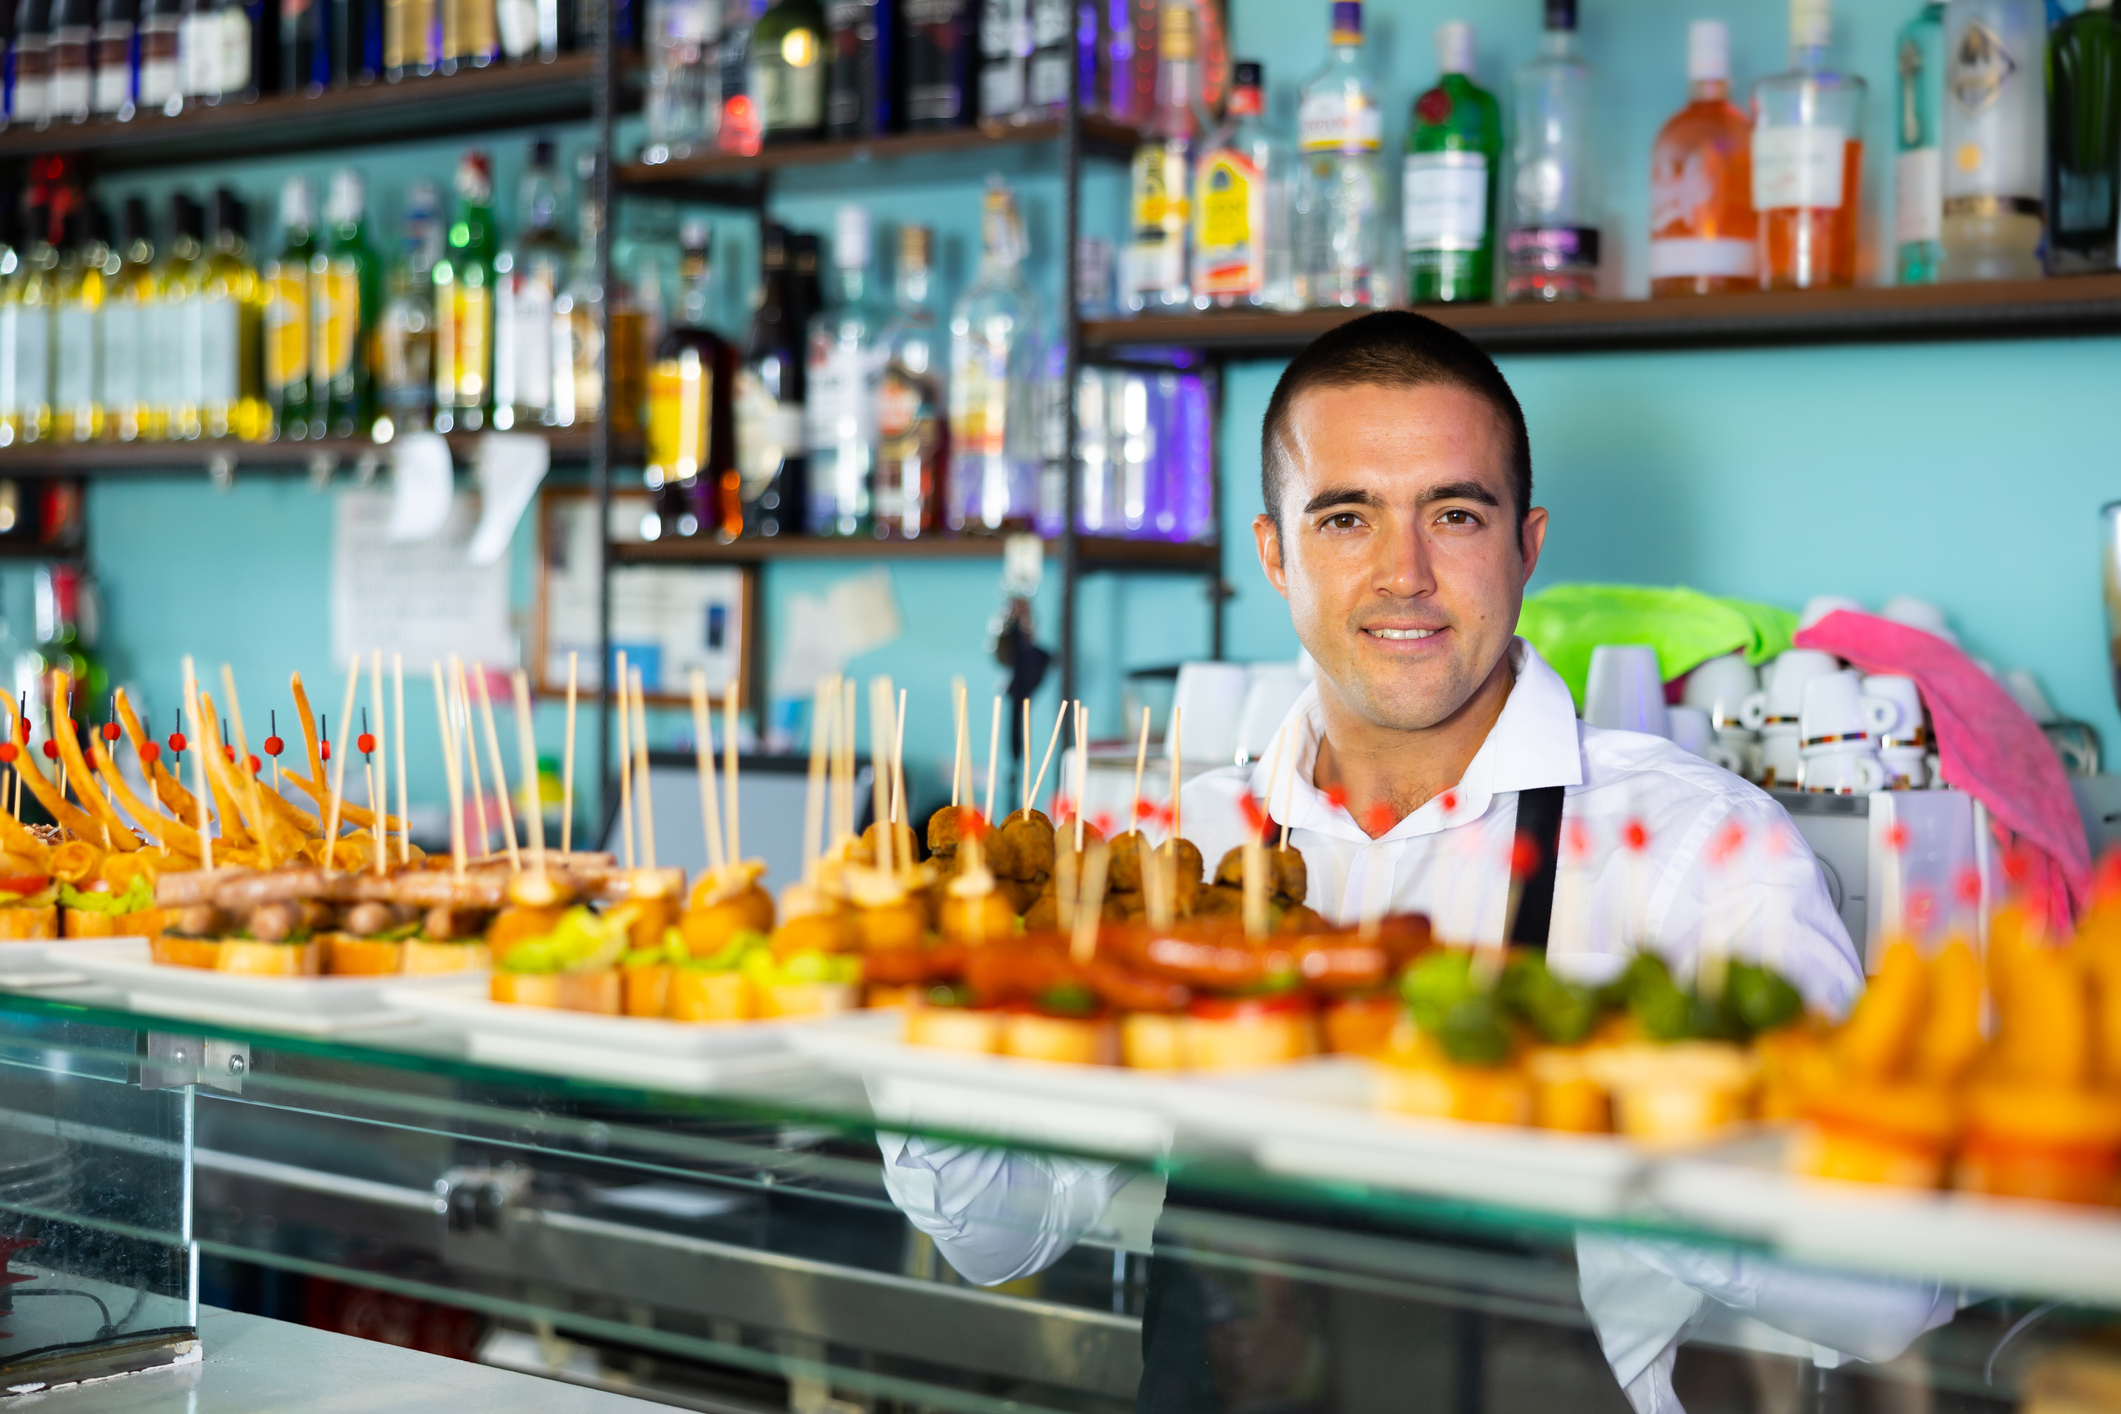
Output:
x=667 y=619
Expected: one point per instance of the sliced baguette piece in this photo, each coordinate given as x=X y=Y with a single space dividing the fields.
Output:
x=256 y=959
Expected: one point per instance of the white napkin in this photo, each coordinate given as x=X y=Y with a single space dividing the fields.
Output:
x=510 y=466
x=421 y=485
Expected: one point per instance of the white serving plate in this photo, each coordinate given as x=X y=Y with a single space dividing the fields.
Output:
x=635 y=1050
x=1318 y=1119
x=1089 y=1108
x=24 y=966
x=320 y=1006
x=2061 y=1250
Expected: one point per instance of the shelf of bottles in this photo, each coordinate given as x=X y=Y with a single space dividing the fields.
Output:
x=1101 y=136
x=1093 y=552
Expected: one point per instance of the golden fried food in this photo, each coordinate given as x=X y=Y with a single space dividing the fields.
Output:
x=1022 y=848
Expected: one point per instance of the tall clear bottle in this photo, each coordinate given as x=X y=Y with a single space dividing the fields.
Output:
x=528 y=274
x=463 y=285
x=404 y=344
x=345 y=299
x=1241 y=206
x=1808 y=161
x=1918 y=163
x=1339 y=208
x=220 y=330
x=125 y=336
x=682 y=106
x=1995 y=128
x=1703 y=232
x=2084 y=140
x=1552 y=246
x=162 y=323
x=85 y=268
x=845 y=375
x=913 y=427
x=996 y=357
x=1448 y=182
x=770 y=462
x=288 y=340
x=578 y=317
x=1162 y=178
x=26 y=332
x=691 y=444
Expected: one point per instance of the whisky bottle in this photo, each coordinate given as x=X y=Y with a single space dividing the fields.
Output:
x=288 y=336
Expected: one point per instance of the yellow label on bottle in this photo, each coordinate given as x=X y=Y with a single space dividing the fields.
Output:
x=1229 y=255
x=338 y=320
x=286 y=326
x=468 y=324
x=680 y=399
x=1160 y=204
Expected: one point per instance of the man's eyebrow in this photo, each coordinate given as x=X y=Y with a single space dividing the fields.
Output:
x=1342 y=496
x=1459 y=491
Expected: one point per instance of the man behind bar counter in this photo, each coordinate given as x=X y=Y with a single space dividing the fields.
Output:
x=1397 y=479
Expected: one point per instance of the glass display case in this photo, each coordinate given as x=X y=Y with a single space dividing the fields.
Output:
x=776 y=1230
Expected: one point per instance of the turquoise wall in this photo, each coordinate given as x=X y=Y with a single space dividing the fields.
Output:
x=1968 y=474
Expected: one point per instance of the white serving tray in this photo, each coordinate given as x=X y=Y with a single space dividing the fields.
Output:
x=1090 y=1108
x=634 y=1050
x=2066 y=1251
x=25 y=967
x=1318 y=1119
x=317 y=1006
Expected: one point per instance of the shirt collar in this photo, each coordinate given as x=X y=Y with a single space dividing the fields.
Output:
x=1535 y=742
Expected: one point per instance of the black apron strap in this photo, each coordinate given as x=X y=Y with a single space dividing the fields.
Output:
x=1539 y=823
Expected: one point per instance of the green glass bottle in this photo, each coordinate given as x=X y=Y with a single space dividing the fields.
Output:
x=287 y=314
x=787 y=71
x=1454 y=154
x=345 y=295
x=1918 y=162
x=2084 y=139
x=463 y=285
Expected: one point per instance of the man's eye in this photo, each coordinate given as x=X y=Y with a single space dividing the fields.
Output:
x=1346 y=520
x=1459 y=516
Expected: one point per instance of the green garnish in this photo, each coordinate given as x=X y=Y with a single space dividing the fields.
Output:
x=1068 y=999
x=138 y=895
x=581 y=942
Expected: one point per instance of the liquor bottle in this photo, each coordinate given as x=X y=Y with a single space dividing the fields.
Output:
x=221 y=331
x=30 y=100
x=1918 y=167
x=344 y=298
x=995 y=359
x=682 y=106
x=79 y=285
x=516 y=24
x=1702 y=227
x=403 y=368
x=912 y=412
x=72 y=50
x=356 y=42
x=1004 y=58
x=1340 y=191
x=161 y=57
x=1995 y=128
x=305 y=58
x=1447 y=186
x=124 y=333
x=2084 y=139
x=470 y=34
x=117 y=80
x=66 y=642
x=1161 y=198
x=787 y=77
x=26 y=332
x=858 y=80
x=940 y=52
x=770 y=463
x=691 y=444
x=463 y=284
x=1057 y=42
x=411 y=37
x=289 y=339
x=1240 y=206
x=199 y=51
x=738 y=130
x=1552 y=245
x=843 y=385
x=250 y=51
x=162 y=324
x=1807 y=161
x=578 y=317
x=527 y=278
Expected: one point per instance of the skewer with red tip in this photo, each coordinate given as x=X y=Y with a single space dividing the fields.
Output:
x=324 y=738
x=177 y=743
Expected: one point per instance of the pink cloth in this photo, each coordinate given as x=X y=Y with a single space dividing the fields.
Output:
x=1987 y=745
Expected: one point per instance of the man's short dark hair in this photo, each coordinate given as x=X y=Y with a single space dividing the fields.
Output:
x=1393 y=348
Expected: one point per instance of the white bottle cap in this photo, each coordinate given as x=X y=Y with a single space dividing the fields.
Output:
x=1454 y=47
x=343 y=206
x=1811 y=23
x=850 y=238
x=1708 y=51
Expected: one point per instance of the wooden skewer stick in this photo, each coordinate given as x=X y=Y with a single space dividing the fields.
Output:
x=467 y=739
x=1067 y=881
x=824 y=706
x=898 y=761
x=567 y=765
x=198 y=766
x=1023 y=761
x=1052 y=744
x=640 y=748
x=397 y=741
x=252 y=789
x=1090 y=908
x=960 y=768
x=994 y=750
x=338 y=775
x=527 y=750
x=703 y=746
x=450 y=772
x=500 y=776
x=1141 y=764
x=625 y=763
x=880 y=767
x=850 y=717
x=378 y=800
x=1178 y=736
x=1082 y=768
x=729 y=709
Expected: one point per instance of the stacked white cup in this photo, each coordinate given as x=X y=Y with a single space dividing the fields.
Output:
x=1774 y=712
x=1719 y=687
x=1838 y=730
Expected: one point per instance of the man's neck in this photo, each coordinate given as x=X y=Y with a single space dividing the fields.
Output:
x=1388 y=774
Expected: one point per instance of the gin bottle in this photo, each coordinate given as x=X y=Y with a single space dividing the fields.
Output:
x=1807 y=161
x=846 y=368
x=1995 y=128
x=995 y=363
x=1552 y=247
x=2084 y=139
x=1918 y=167
x=1340 y=188
x=1447 y=182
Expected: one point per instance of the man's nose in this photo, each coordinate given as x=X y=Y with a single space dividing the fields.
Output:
x=1403 y=568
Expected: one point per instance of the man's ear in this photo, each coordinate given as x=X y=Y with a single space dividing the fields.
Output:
x=1268 y=536
x=1531 y=539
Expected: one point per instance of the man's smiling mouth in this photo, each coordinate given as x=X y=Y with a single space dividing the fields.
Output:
x=1402 y=634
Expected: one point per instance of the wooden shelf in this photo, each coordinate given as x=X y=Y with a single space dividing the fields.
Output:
x=440 y=106
x=1095 y=552
x=2014 y=309
x=53 y=459
x=722 y=175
